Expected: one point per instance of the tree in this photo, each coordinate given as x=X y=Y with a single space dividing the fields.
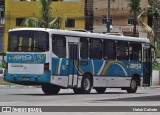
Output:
x=134 y=6
x=146 y=27
x=46 y=20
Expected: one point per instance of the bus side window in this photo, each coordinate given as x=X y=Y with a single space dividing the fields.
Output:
x=122 y=50
x=84 y=48
x=135 y=51
x=109 y=51
x=14 y=45
x=95 y=49
x=59 y=45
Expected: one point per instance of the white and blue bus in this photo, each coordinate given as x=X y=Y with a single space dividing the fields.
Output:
x=81 y=61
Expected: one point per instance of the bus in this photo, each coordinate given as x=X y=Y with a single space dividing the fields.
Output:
x=61 y=59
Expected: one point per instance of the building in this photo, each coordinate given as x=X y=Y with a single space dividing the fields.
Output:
x=1 y=24
x=89 y=15
x=17 y=10
x=120 y=18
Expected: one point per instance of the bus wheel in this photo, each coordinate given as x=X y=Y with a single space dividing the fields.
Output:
x=133 y=86
x=100 y=90
x=86 y=85
x=50 y=89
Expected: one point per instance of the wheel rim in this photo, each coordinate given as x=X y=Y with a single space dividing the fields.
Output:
x=133 y=84
x=86 y=84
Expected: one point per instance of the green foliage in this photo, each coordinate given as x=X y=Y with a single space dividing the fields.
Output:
x=3 y=64
x=2 y=54
x=46 y=20
x=156 y=66
x=2 y=82
x=134 y=6
x=158 y=47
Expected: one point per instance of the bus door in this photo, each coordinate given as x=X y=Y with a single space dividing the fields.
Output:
x=73 y=64
x=147 y=67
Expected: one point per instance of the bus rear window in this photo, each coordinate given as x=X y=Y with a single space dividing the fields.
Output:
x=28 y=41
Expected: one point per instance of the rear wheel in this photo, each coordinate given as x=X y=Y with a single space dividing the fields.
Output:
x=86 y=86
x=100 y=90
x=50 y=89
x=133 y=86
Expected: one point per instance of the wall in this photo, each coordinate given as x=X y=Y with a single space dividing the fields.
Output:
x=22 y=9
x=119 y=12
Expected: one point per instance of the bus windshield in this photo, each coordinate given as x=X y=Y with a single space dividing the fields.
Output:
x=28 y=41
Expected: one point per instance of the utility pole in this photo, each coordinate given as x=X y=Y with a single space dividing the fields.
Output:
x=108 y=17
x=155 y=25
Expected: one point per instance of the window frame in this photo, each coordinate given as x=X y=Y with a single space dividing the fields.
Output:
x=130 y=20
x=19 y=21
x=105 y=19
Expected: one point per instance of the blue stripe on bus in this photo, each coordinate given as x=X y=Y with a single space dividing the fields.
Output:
x=96 y=67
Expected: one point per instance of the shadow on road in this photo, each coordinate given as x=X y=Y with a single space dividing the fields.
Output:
x=64 y=94
x=142 y=98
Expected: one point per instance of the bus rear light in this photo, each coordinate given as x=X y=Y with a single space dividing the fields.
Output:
x=46 y=67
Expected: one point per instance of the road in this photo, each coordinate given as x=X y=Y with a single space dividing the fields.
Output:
x=33 y=96
x=66 y=97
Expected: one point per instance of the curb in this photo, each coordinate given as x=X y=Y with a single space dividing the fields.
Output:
x=157 y=86
x=18 y=86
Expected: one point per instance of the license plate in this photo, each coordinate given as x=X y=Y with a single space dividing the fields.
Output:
x=26 y=79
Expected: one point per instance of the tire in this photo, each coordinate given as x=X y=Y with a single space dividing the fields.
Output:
x=133 y=86
x=50 y=89
x=100 y=90
x=86 y=84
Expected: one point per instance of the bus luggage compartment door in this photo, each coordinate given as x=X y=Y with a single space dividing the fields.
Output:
x=73 y=65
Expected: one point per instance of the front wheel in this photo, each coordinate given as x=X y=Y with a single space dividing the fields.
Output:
x=133 y=86
x=50 y=89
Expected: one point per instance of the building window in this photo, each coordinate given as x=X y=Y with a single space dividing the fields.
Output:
x=1 y=13
x=104 y=20
x=70 y=23
x=1 y=17
x=130 y=20
x=19 y=21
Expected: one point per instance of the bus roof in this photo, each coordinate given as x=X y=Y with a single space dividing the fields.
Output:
x=85 y=34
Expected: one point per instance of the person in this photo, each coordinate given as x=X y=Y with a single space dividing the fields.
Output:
x=105 y=57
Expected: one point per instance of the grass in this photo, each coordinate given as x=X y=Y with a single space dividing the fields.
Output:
x=2 y=82
x=156 y=66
